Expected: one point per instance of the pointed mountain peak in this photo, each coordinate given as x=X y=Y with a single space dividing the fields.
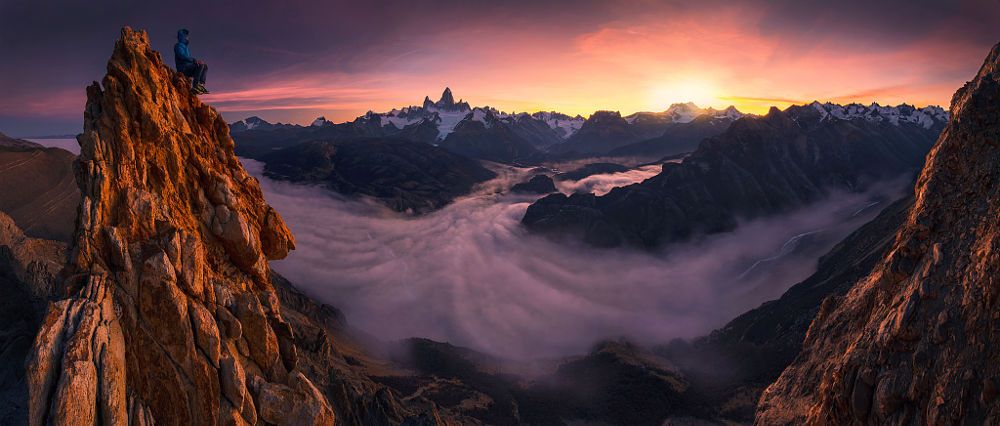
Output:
x=775 y=115
x=447 y=99
x=684 y=112
x=990 y=67
x=168 y=209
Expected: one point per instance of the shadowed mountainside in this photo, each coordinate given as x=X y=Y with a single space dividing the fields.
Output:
x=915 y=341
x=760 y=166
x=29 y=275
x=405 y=175
x=731 y=366
x=37 y=188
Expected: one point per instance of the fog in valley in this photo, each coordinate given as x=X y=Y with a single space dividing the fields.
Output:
x=469 y=274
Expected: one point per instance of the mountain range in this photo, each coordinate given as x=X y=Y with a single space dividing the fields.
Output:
x=522 y=139
x=759 y=166
x=516 y=138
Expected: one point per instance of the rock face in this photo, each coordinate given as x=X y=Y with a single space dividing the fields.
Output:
x=915 y=341
x=405 y=175
x=760 y=166
x=348 y=376
x=167 y=311
x=37 y=188
x=446 y=103
x=731 y=366
x=29 y=270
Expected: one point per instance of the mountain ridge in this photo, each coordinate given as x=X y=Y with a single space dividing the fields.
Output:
x=913 y=341
x=757 y=167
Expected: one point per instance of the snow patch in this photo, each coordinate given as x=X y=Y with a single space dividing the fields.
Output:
x=925 y=117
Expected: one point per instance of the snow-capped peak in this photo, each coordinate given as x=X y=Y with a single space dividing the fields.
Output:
x=729 y=112
x=684 y=113
x=561 y=123
x=320 y=121
x=484 y=116
x=926 y=117
x=254 y=122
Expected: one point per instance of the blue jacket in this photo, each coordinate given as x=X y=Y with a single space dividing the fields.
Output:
x=182 y=57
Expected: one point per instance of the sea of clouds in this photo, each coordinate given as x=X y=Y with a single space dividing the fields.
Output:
x=470 y=274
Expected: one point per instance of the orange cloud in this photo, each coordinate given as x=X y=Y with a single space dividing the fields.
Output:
x=716 y=59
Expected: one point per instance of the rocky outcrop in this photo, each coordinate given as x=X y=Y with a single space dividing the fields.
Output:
x=446 y=103
x=167 y=313
x=32 y=263
x=29 y=270
x=915 y=341
x=759 y=167
x=733 y=365
x=37 y=188
x=344 y=370
x=447 y=99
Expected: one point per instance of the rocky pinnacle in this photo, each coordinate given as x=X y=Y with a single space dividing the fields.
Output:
x=167 y=313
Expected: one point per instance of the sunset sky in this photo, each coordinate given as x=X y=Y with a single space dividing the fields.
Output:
x=292 y=61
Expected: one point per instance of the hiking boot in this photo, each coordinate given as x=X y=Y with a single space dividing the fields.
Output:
x=201 y=89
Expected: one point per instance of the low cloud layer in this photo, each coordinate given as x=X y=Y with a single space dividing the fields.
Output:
x=603 y=183
x=469 y=274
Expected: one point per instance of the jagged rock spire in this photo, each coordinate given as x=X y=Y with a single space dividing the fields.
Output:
x=170 y=314
x=447 y=99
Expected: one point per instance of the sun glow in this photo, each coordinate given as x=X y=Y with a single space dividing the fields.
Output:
x=701 y=92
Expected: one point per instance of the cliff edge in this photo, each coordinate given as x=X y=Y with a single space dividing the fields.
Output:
x=166 y=309
x=916 y=341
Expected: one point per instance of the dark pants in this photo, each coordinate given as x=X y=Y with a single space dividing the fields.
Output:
x=197 y=72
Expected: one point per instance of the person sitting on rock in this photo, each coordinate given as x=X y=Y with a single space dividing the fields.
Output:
x=191 y=67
